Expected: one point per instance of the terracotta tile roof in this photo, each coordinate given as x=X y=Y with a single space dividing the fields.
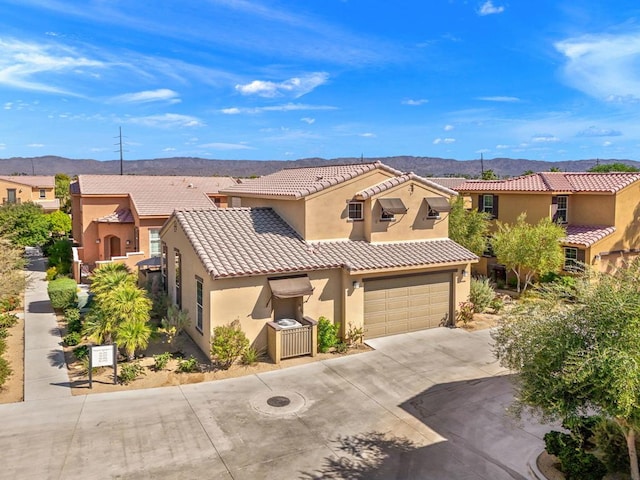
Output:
x=242 y=241
x=154 y=195
x=34 y=181
x=448 y=182
x=122 y=215
x=361 y=255
x=569 y=182
x=399 y=180
x=295 y=183
x=586 y=235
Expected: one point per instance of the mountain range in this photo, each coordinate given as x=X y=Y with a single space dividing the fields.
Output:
x=425 y=166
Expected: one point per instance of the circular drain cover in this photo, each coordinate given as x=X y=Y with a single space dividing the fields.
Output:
x=278 y=401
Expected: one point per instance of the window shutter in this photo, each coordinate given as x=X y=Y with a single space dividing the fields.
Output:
x=480 y=203
x=554 y=208
x=495 y=206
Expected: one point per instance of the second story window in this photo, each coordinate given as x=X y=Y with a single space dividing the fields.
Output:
x=154 y=242
x=43 y=193
x=489 y=204
x=356 y=210
x=561 y=206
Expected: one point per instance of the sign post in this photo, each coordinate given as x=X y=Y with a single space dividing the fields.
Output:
x=103 y=356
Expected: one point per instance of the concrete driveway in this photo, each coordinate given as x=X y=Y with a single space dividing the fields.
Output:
x=425 y=405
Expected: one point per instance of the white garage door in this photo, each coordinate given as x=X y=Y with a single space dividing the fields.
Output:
x=406 y=304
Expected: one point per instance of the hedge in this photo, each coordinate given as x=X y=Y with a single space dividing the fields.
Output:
x=63 y=292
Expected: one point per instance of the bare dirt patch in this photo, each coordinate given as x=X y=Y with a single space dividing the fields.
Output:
x=13 y=389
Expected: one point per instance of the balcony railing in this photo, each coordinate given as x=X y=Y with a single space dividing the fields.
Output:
x=14 y=201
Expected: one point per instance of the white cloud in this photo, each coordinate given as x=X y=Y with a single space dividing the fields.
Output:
x=500 y=98
x=603 y=66
x=36 y=145
x=294 y=87
x=227 y=146
x=8 y=105
x=502 y=147
x=448 y=128
x=368 y=135
x=607 y=143
x=288 y=107
x=159 y=95
x=599 y=132
x=167 y=120
x=308 y=120
x=438 y=141
x=169 y=149
x=417 y=102
x=488 y=8
x=545 y=139
x=22 y=63
x=3 y=146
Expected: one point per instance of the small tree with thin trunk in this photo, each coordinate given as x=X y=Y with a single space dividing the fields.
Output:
x=579 y=353
x=469 y=228
x=529 y=250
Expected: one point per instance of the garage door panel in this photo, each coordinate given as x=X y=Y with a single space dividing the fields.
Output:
x=404 y=304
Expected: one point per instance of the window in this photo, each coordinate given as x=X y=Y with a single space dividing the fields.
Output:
x=387 y=216
x=177 y=258
x=433 y=213
x=43 y=193
x=573 y=259
x=355 y=211
x=199 y=304
x=561 y=211
x=12 y=196
x=154 y=242
x=487 y=204
x=163 y=268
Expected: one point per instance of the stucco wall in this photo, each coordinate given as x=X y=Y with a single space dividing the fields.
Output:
x=592 y=209
x=25 y=193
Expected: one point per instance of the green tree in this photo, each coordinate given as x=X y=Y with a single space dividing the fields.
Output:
x=24 y=224
x=132 y=335
x=528 y=172
x=613 y=167
x=580 y=354
x=529 y=250
x=12 y=279
x=59 y=223
x=555 y=169
x=469 y=228
x=489 y=175
x=63 y=181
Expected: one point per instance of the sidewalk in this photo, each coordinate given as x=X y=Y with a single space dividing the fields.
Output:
x=45 y=371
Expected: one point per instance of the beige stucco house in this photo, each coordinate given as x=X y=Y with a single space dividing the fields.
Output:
x=600 y=212
x=363 y=245
x=118 y=217
x=39 y=189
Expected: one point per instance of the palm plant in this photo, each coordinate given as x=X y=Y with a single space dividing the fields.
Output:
x=98 y=327
x=108 y=277
x=133 y=335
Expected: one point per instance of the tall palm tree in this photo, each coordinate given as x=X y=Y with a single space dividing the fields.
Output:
x=129 y=307
x=108 y=277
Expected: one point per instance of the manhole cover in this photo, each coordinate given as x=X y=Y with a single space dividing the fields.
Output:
x=278 y=401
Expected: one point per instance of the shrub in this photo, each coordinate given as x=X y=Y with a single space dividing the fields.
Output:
x=327 y=334
x=52 y=273
x=229 y=342
x=62 y=292
x=497 y=304
x=249 y=356
x=481 y=293
x=3 y=345
x=188 y=365
x=9 y=304
x=72 y=339
x=611 y=443
x=161 y=360
x=465 y=312
x=355 y=335
x=8 y=320
x=575 y=463
x=60 y=257
x=4 y=333
x=74 y=324
x=129 y=372
x=5 y=370
x=175 y=321
x=582 y=429
x=342 y=347
x=81 y=352
x=160 y=303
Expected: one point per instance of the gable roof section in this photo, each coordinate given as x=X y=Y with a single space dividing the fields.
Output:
x=399 y=180
x=448 y=182
x=237 y=242
x=33 y=181
x=569 y=182
x=586 y=235
x=154 y=195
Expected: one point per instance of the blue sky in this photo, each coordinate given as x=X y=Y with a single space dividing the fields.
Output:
x=284 y=79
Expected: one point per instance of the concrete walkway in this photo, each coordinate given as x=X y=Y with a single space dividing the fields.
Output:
x=425 y=405
x=45 y=371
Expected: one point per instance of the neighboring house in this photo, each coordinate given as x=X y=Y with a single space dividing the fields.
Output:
x=600 y=212
x=363 y=245
x=120 y=216
x=39 y=189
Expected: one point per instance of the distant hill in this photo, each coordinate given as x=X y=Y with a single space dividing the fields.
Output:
x=426 y=166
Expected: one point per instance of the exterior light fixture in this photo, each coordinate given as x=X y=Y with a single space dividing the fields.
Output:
x=356 y=284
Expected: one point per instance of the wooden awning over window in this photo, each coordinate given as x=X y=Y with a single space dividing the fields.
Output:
x=439 y=204
x=392 y=206
x=290 y=287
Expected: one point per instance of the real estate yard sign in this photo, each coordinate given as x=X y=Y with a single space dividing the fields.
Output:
x=103 y=356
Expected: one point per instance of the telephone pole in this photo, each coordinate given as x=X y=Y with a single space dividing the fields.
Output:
x=481 y=165
x=120 y=149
